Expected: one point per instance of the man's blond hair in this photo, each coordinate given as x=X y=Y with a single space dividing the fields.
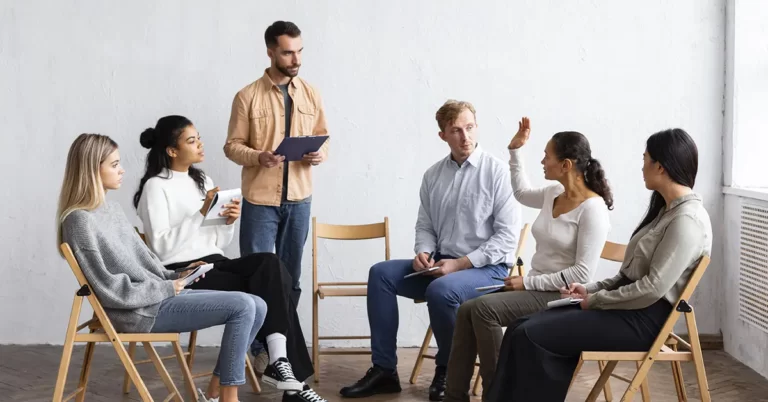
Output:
x=450 y=111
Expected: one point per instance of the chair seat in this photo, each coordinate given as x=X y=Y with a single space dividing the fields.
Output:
x=324 y=291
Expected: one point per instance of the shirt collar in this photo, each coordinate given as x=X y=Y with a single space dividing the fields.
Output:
x=268 y=79
x=679 y=200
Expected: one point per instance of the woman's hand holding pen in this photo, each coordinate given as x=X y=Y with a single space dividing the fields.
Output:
x=514 y=283
x=574 y=290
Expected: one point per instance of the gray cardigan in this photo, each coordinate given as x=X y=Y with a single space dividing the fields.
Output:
x=659 y=259
x=127 y=278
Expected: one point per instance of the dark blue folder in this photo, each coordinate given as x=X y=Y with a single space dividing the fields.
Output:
x=294 y=148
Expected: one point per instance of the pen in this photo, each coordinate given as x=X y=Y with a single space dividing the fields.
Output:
x=431 y=256
x=562 y=275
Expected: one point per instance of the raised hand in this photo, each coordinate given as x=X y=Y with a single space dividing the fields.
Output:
x=523 y=132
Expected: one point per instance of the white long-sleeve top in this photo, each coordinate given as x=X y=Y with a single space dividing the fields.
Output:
x=571 y=243
x=169 y=209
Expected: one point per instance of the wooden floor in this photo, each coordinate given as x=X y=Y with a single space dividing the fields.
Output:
x=28 y=373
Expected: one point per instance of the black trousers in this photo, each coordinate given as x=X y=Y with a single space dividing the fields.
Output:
x=540 y=352
x=263 y=275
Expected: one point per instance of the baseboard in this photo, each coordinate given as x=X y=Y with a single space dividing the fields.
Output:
x=708 y=341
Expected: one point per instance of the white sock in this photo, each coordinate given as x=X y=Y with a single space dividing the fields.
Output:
x=276 y=347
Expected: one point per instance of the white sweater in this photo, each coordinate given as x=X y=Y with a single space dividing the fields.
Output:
x=571 y=243
x=170 y=211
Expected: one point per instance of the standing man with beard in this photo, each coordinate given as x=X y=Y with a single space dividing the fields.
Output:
x=277 y=193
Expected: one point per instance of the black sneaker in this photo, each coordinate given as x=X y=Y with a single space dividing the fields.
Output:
x=306 y=395
x=280 y=375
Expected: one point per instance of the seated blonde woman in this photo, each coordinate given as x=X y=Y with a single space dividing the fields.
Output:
x=137 y=292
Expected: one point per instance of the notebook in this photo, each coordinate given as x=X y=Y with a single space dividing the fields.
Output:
x=421 y=272
x=199 y=271
x=220 y=199
x=568 y=301
x=294 y=148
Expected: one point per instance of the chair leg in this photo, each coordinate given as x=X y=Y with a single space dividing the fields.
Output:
x=576 y=372
x=160 y=367
x=476 y=388
x=607 y=387
x=66 y=353
x=641 y=376
x=677 y=374
x=645 y=391
x=85 y=371
x=189 y=382
x=315 y=337
x=191 y=348
x=250 y=374
x=600 y=384
x=131 y=368
x=126 y=377
x=698 y=357
x=422 y=352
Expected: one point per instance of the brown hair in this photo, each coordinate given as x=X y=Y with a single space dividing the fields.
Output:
x=450 y=110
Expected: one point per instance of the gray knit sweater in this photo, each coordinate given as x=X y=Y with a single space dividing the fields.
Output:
x=126 y=277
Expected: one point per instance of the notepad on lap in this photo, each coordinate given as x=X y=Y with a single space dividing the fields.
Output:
x=220 y=199
x=491 y=287
x=569 y=301
x=199 y=271
x=421 y=272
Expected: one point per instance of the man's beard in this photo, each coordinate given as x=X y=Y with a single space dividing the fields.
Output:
x=288 y=73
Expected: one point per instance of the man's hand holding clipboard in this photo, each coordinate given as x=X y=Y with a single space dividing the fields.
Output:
x=304 y=148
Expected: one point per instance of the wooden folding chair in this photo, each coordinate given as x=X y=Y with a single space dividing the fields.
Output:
x=615 y=252
x=102 y=330
x=250 y=373
x=423 y=352
x=660 y=350
x=321 y=290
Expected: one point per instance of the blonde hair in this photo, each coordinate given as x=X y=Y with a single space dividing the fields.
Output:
x=82 y=187
x=450 y=111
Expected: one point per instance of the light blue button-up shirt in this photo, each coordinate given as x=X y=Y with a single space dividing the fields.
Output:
x=469 y=210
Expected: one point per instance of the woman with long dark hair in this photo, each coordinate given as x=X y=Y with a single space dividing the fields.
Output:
x=570 y=232
x=539 y=352
x=172 y=201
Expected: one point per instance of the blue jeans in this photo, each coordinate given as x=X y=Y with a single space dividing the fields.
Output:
x=241 y=313
x=282 y=230
x=443 y=295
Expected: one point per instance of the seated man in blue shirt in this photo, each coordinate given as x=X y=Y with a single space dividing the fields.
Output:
x=467 y=227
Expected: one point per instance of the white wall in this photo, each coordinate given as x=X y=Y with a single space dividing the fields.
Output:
x=745 y=121
x=616 y=71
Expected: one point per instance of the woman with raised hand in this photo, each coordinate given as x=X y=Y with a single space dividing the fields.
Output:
x=570 y=232
x=540 y=352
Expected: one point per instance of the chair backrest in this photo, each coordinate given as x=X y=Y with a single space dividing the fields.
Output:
x=347 y=232
x=613 y=251
x=143 y=237
x=519 y=252
x=86 y=290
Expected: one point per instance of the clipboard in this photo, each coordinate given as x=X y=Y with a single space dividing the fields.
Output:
x=294 y=148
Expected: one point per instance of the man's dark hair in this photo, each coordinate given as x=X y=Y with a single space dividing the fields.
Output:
x=279 y=28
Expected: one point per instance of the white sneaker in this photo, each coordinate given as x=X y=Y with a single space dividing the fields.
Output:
x=201 y=397
x=260 y=362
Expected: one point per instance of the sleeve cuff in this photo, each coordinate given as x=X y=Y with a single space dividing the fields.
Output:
x=478 y=259
x=592 y=302
x=592 y=287
x=528 y=283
